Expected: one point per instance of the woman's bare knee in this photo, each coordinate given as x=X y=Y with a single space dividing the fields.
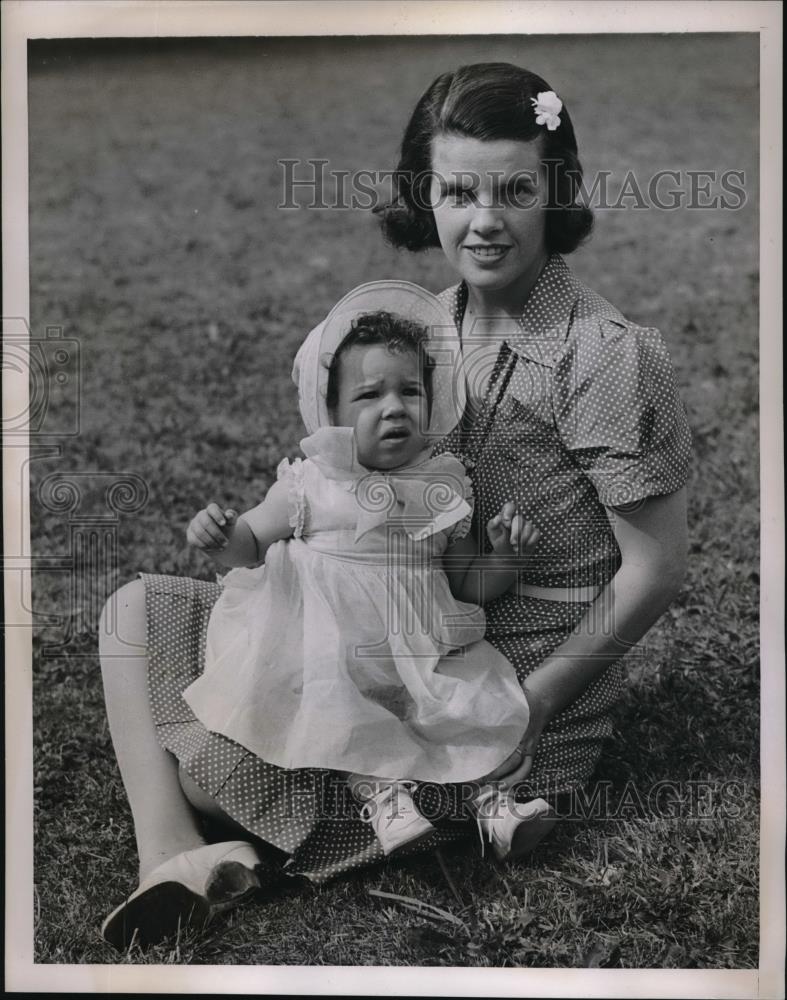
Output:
x=122 y=627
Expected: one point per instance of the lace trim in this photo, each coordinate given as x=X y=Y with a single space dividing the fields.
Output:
x=293 y=473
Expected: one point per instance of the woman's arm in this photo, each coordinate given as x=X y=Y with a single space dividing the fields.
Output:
x=653 y=542
x=479 y=578
x=242 y=541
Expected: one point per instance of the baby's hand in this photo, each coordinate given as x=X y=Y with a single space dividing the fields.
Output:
x=210 y=530
x=509 y=532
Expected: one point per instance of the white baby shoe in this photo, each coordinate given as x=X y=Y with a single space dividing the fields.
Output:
x=392 y=815
x=184 y=891
x=511 y=828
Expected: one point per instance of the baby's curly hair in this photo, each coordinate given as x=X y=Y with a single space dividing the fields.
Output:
x=397 y=334
x=484 y=101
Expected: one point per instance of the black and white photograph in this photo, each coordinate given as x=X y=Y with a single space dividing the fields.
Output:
x=393 y=541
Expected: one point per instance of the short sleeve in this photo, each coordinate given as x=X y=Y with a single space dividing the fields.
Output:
x=618 y=412
x=291 y=475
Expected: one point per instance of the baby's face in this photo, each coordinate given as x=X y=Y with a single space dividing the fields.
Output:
x=381 y=395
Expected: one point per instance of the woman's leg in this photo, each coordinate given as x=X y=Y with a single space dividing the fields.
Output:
x=206 y=806
x=165 y=824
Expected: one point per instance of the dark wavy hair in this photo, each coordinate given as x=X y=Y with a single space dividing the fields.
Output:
x=484 y=101
x=397 y=334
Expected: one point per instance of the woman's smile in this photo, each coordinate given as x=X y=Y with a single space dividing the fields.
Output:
x=487 y=254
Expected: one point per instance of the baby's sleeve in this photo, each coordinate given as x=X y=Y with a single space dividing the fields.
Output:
x=618 y=412
x=291 y=475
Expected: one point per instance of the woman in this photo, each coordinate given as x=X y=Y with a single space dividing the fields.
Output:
x=573 y=412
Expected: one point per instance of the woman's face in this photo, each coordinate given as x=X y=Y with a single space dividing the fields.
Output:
x=488 y=199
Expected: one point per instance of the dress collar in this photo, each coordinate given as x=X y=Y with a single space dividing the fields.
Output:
x=427 y=495
x=546 y=318
x=548 y=309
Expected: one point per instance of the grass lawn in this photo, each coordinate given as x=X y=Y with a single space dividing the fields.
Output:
x=155 y=242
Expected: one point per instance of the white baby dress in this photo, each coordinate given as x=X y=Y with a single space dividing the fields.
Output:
x=346 y=649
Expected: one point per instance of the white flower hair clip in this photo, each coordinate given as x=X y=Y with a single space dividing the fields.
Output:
x=547 y=107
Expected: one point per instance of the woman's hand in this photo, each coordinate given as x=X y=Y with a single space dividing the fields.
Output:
x=211 y=529
x=509 y=532
x=517 y=766
x=652 y=541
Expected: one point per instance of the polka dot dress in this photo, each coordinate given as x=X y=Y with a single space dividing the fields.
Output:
x=579 y=411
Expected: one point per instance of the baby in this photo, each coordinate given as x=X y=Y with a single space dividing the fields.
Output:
x=349 y=634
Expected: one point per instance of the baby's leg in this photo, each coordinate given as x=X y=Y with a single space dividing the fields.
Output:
x=164 y=822
x=511 y=828
x=390 y=811
x=366 y=786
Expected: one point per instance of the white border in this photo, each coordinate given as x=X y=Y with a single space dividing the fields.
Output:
x=23 y=19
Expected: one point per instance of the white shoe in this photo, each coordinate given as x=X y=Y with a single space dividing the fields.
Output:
x=186 y=890
x=394 y=818
x=511 y=828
